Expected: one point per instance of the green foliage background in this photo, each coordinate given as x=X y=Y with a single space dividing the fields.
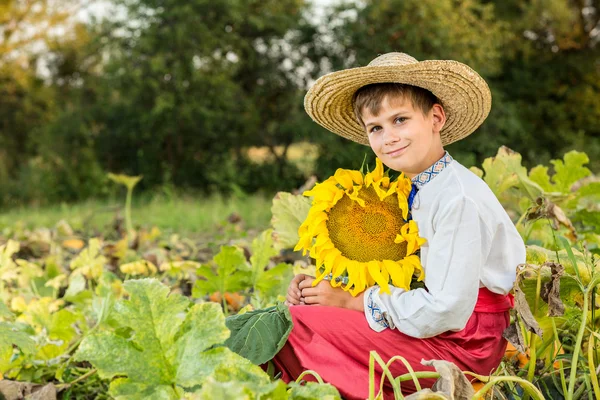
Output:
x=177 y=91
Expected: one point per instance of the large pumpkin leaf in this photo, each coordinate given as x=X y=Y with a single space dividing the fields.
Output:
x=4 y=311
x=214 y=389
x=168 y=350
x=259 y=335
x=289 y=212
x=313 y=391
x=17 y=334
x=570 y=170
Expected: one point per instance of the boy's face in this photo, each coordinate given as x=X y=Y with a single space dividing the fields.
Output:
x=402 y=137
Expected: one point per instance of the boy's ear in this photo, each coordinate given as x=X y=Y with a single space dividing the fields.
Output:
x=439 y=117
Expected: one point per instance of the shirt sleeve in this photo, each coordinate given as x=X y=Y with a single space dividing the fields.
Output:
x=452 y=274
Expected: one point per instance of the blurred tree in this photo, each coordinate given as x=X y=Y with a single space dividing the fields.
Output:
x=189 y=84
x=425 y=29
x=551 y=74
x=539 y=57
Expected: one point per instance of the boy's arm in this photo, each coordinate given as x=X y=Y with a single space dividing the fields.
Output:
x=456 y=254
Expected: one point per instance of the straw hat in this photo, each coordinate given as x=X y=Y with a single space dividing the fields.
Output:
x=464 y=94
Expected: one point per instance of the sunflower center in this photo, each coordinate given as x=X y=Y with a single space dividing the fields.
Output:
x=367 y=233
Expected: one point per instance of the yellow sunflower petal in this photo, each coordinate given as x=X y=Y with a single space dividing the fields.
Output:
x=348 y=178
x=378 y=171
x=339 y=268
x=415 y=261
x=354 y=197
x=374 y=268
x=394 y=268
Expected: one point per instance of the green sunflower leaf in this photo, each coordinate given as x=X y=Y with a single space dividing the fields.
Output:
x=289 y=212
x=259 y=335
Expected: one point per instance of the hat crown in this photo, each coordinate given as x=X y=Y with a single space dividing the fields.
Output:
x=393 y=59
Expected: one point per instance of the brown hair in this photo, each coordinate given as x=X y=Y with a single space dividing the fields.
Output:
x=371 y=96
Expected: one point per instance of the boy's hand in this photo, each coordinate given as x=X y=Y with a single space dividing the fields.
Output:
x=326 y=295
x=294 y=294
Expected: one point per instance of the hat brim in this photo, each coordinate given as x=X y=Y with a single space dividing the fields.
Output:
x=464 y=94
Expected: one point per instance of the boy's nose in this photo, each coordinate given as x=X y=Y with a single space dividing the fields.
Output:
x=389 y=137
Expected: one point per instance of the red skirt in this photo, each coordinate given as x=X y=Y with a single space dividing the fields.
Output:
x=335 y=342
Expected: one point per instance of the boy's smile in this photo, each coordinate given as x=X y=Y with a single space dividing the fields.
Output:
x=403 y=138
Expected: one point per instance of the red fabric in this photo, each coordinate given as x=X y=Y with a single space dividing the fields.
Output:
x=335 y=342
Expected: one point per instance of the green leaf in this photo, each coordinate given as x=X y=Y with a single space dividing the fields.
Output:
x=16 y=334
x=313 y=391
x=123 y=389
x=5 y=312
x=570 y=171
x=170 y=349
x=213 y=389
x=589 y=218
x=203 y=328
x=259 y=335
x=90 y=262
x=591 y=189
x=539 y=174
x=262 y=251
x=231 y=275
x=236 y=389
x=126 y=180
x=274 y=281
x=289 y=212
x=505 y=171
x=155 y=317
x=76 y=285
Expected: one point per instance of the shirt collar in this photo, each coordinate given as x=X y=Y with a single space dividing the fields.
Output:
x=420 y=180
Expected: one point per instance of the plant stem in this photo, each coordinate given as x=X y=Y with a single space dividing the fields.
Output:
x=563 y=381
x=530 y=389
x=591 y=365
x=310 y=372
x=532 y=336
x=375 y=357
x=82 y=377
x=582 y=325
x=128 y=222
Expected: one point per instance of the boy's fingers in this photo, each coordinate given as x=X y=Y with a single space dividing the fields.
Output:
x=310 y=291
x=293 y=293
x=299 y=278
x=292 y=300
x=312 y=300
x=306 y=283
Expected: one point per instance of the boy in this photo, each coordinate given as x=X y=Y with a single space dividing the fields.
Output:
x=406 y=111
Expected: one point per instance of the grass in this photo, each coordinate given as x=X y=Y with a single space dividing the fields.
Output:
x=182 y=214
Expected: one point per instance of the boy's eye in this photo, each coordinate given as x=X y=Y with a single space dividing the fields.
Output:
x=375 y=129
x=399 y=120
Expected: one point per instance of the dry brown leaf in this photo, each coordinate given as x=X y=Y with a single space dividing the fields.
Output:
x=551 y=290
x=12 y=390
x=451 y=385
x=544 y=208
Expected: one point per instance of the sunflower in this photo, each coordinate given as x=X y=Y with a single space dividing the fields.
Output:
x=358 y=227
